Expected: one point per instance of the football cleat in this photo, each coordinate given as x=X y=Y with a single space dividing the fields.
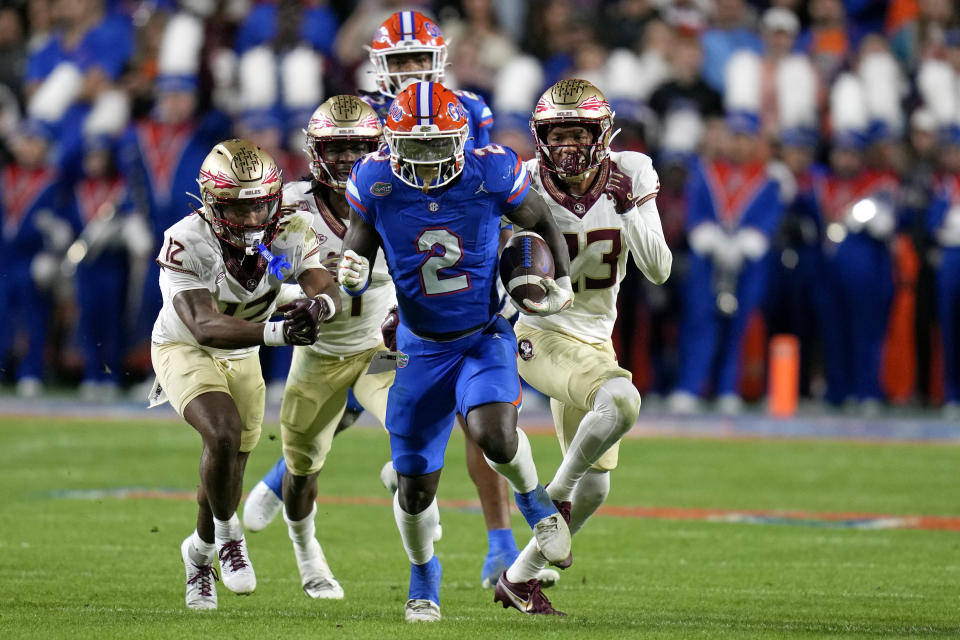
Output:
x=424 y=594
x=260 y=508
x=388 y=476
x=553 y=540
x=497 y=563
x=420 y=610
x=201 y=580
x=235 y=568
x=524 y=596
x=315 y=575
x=564 y=506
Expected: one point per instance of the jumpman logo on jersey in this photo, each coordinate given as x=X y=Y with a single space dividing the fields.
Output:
x=481 y=189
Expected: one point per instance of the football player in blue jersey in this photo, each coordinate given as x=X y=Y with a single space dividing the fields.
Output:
x=435 y=209
x=409 y=47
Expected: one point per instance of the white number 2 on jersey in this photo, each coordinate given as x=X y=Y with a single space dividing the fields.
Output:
x=444 y=249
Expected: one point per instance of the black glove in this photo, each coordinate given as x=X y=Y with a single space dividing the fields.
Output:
x=388 y=328
x=619 y=188
x=301 y=320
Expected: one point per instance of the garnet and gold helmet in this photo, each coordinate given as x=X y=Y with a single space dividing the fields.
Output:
x=241 y=188
x=407 y=32
x=342 y=119
x=426 y=129
x=571 y=103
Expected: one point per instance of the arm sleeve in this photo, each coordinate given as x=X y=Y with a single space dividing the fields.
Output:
x=643 y=231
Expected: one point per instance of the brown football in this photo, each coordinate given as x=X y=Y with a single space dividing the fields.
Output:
x=524 y=262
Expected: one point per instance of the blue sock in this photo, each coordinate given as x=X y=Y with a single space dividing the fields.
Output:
x=501 y=552
x=425 y=580
x=499 y=540
x=274 y=478
x=535 y=505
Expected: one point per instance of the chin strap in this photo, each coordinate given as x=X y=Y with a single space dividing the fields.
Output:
x=275 y=264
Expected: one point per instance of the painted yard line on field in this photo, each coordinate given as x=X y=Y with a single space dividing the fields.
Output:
x=842 y=520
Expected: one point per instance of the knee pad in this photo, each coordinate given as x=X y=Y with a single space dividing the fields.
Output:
x=618 y=397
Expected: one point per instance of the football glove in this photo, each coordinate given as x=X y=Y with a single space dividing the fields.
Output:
x=559 y=297
x=302 y=318
x=388 y=328
x=353 y=272
x=619 y=188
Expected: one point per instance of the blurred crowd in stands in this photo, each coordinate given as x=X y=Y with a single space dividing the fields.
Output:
x=809 y=157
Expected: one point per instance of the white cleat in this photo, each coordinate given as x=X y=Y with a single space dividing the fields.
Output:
x=548 y=577
x=315 y=575
x=422 y=611
x=201 y=580
x=235 y=568
x=261 y=507
x=553 y=538
x=388 y=476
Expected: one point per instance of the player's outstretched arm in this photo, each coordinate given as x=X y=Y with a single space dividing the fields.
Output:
x=359 y=252
x=197 y=309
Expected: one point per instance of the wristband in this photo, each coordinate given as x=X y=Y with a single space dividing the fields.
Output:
x=273 y=333
x=355 y=294
x=331 y=309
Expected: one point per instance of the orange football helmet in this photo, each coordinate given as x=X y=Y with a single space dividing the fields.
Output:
x=407 y=32
x=426 y=129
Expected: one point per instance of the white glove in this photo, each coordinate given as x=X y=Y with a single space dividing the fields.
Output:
x=559 y=297
x=353 y=272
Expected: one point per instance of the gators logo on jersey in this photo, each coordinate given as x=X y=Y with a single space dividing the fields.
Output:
x=381 y=188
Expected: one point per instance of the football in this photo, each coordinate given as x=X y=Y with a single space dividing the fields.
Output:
x=524 y=262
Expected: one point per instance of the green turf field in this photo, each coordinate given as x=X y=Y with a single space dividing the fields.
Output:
x=78 y=559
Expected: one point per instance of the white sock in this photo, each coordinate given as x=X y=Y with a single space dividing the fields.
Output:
x=228 y=529
x=416 y=530
x=520 y=472
x=587 y=497
x=201 y=552
x=301 y=531
x=528 y=564
x=615 y=410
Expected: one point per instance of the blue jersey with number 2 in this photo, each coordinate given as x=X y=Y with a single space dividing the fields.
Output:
x=441 y=246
